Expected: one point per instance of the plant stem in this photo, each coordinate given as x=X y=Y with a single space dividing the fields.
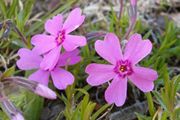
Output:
x=121 y=9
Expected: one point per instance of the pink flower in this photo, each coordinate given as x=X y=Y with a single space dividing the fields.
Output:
x=30 y=60
x=50 y=45
x=122 y=67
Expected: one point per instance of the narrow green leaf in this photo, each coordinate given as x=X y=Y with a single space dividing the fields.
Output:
x=3 y=8
x=81 y=91
x=146 y=36
x=100 y=111
x=159 y=98
x=34 y=106
x=9 y=72
x=142 y=117
x=12 y=8
x=88 y=111
x=150 y=104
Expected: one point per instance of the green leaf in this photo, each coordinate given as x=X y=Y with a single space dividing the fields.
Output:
x=82 y=91
x=159 y=98
x=3 y=8
x=9 y=72
x=34 y=106
x=3 y=116
x=142 y=117
x=150 y=104
x=100 y=111
x=88 y=111
x=12 y=8
x=147 y=35
x=164 y=116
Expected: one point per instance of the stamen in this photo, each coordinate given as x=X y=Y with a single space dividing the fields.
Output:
x=61 y=37
x=123 y=68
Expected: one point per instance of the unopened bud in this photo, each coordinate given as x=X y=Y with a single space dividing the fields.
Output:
x=44 y=91
x=12 y=112
x=18 y=116
x=33 y=86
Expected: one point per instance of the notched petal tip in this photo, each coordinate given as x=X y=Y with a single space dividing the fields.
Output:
x=135 y=36
x=137 y=49
x=143 y=78
x=54 y=25
x=97 y=44
x=62 y=78
x=87 y=68
x=109 y=48
x=22 y=51
x=35 y=38
x=109 y=36
x=150 y=88
x=57 y=16
x=76 y=10
x=70 y=23
x=117 y=92
x=90 y=82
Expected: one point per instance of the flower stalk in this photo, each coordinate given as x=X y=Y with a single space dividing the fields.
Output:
x=133 y=17
x=121 y=9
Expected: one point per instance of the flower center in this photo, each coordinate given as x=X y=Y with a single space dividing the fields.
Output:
x=60 y=37
x=123 y=68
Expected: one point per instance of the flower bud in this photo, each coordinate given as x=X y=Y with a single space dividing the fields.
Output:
x=33 y=86
x=12 y=112
x=18 y=116
x=45 y=92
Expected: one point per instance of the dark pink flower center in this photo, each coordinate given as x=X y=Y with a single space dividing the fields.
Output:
x=123 y=68
x=60 y=37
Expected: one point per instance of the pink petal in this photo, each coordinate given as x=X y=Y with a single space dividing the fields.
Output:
x=143 y=78
x=50 y=59
x=43 y=43
x=72 y=42
x=61 y=78
x=136 y=48
x=109 y=49
x=69 y=58
x=28 y=59
x=54 y=25
x=40 y=76
x=99 y=73
x=116 y=92
x=74 y=20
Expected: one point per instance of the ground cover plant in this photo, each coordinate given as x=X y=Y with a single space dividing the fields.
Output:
x=89 y=60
